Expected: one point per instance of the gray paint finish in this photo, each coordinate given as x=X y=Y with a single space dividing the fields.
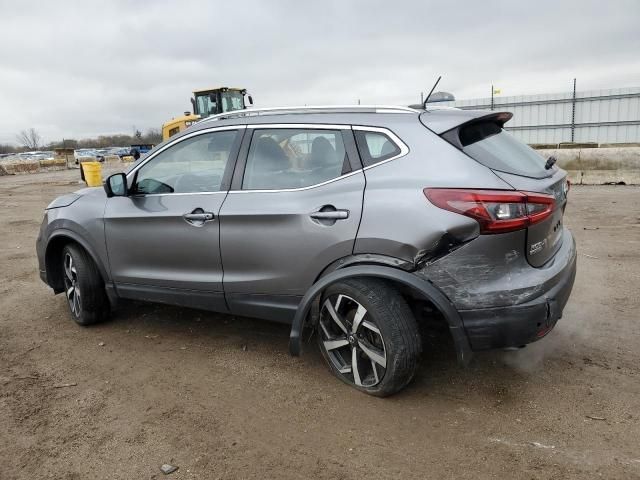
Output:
x=398 y=220
x=547 y=234
x=264 y=251
x=150 y=243
x=270 y=243
x=81 y=220
x=493 y=271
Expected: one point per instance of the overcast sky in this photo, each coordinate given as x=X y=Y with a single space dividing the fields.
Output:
x=78 y=69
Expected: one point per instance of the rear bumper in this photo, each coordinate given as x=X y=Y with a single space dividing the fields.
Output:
x=518 y=325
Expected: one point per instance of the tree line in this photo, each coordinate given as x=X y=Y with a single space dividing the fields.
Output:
x=31 y=139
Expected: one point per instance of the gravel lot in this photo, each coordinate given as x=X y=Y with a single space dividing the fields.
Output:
x=219 y=396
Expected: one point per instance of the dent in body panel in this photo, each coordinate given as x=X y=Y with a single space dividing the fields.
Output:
x=397 y=218
x=493 y=271
x=367 y=259
x=405 y=225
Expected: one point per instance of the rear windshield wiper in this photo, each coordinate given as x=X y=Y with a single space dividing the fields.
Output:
x=550 y=162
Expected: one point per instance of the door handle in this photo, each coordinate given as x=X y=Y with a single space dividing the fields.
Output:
x=331 y=215
x=198 y=217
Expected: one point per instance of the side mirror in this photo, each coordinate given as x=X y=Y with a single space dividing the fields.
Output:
x=116 y=185
x=250 y=98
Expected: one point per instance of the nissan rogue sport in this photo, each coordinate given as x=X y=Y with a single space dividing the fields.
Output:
x=350 y=221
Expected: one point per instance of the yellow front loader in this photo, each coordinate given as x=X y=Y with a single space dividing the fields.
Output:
x=205 y=102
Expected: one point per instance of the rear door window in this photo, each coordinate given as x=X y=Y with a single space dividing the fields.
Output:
x=492 y=146
x=287 y=158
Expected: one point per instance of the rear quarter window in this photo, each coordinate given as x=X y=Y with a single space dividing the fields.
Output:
x=492 y=146
x=375 y=147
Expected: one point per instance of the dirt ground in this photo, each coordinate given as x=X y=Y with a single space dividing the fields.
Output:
x=220 y=397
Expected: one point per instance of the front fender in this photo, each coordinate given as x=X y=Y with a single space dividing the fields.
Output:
x=425 y=288
x=61 y=235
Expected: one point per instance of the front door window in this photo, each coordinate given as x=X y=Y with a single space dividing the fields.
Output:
x=193 y=165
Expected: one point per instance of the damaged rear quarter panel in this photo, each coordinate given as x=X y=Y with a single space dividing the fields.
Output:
x=397 y=219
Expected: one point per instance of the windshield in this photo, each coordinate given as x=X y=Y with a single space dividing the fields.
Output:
x=497 y=149
x=205 y=106
x=232 y=101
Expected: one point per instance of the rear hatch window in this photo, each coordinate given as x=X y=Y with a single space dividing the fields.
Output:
x=492 y=146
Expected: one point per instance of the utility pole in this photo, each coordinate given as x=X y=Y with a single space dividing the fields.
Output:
x=492 y=96
x=573 y=112
x=421 y=98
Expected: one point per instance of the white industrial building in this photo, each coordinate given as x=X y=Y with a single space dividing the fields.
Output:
x=601 y=116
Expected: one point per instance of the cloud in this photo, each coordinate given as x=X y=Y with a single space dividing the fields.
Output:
x=77 y=69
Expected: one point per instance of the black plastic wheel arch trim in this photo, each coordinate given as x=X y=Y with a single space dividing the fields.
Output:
x=427 y=289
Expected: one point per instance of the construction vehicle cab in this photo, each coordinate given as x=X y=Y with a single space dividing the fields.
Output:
x=206 y=102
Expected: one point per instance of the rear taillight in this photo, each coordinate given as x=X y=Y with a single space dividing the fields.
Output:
x=497 y=211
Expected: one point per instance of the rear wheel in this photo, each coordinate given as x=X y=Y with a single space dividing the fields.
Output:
x=368 y=336
x=84 y=288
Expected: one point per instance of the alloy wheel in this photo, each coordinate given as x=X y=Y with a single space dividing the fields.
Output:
x=352 y=341
x=71 y=284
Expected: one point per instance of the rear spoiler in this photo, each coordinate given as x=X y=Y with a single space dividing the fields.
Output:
x=491 y=124
x=441 y=121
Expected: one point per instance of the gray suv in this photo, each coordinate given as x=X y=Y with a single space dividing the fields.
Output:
x=358 y=223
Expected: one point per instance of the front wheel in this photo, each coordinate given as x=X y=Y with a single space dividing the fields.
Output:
x=84 y=288
x=368 y=336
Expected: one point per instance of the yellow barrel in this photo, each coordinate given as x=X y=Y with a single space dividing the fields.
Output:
x=92 y=173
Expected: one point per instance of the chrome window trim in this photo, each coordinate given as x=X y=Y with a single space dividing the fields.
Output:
x=404 y=150
x=295 y=126
x=176 y=193
x=176 y=141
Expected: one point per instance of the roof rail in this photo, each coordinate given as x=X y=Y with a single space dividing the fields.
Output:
x=311 y=109
x=432 y=108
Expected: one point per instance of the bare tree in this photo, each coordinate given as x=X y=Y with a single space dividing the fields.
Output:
x=30 y=139
x=137 y=134
x=153 y=135
x=6 y=148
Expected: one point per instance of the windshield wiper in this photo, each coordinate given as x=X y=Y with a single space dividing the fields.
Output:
x=550 y=162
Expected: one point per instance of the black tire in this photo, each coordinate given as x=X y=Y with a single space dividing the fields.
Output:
x=396 y=344
x=91 y=305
